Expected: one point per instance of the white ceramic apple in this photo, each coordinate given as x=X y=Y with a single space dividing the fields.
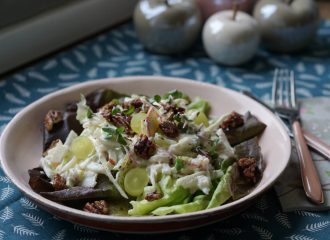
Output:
x=287 y=25
x=167 y=26
x=231 y=40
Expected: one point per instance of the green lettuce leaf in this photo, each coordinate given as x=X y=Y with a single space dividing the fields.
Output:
x=222 y=192
x=172 y=195
x=227 y=163
x=199 y=104
x=199 y=203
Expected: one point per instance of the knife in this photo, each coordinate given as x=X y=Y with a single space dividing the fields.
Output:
x=312 y=141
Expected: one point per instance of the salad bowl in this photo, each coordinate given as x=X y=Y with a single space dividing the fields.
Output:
x=25 y=131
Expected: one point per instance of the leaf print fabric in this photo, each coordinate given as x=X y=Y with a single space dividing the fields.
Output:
x=117 y=52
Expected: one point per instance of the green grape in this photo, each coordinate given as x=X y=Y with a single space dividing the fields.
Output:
x=82 y=147
x=135 y=181
x=137 y=122
x=201 y=118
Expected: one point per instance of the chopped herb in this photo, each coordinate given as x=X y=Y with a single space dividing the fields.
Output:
x=89 y=113
x=213 y=151
x=174 y=94
x=129 y=111
x=178 y=164
x=180 y=118
x=121 y=139
x=120 y=130
x=110 y=132
x=177 y=117
x=213 y=154
x=115 y=134
x=115 y=111
x=157 y=98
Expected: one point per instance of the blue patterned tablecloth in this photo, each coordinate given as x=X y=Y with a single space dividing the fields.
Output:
x=118 y=53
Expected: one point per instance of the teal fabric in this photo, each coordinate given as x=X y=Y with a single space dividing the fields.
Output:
x=117 y=52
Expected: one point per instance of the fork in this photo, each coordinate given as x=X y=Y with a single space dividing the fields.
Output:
x=285 y=105
x=312 y=141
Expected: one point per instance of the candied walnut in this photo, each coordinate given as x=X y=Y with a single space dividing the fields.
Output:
x=172 y=108
x=59 y=182
x=170 y=129
x=106 y=110
x=234 y=120
x=98 y=207
x=144 y=147
x=137 y=103
x=118 y=119
x=153 y=196
x=248 y=167
x=52 y=117
x=121 y=120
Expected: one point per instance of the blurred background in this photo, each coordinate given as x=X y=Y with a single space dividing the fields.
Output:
x=31 y=29
x=324 y=6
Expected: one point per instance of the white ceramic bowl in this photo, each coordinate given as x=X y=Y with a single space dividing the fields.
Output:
x=21 y=148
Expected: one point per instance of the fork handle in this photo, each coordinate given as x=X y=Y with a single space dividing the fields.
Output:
x=310 y=178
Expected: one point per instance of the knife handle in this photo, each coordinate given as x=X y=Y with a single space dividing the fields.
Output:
x=310 y=178
x=317 y=144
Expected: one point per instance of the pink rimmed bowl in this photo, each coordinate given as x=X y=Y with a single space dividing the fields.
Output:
x=21 y=149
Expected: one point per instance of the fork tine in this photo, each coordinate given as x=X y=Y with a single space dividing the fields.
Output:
x=287 y=88
x=293 y=89
x=274 y=88
x=281 y=87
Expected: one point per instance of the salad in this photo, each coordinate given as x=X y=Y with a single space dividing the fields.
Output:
x=139 y=155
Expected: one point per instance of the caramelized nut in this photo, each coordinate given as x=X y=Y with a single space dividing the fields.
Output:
x=51 y=118
x=59 y=182
x=153 y=196
x=106 y=110
x=248 y=167
x=118 y=119
x=98 y=207
x=170 y=129
x=234 y=120
x=121 y=120
x=136 y=103
x=144 y=147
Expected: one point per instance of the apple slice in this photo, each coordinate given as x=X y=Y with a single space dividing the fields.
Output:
x=152 y=122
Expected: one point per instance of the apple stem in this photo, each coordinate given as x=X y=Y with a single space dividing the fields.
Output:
x=235 y=10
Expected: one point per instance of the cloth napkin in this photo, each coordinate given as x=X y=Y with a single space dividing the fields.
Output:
x=315 y=116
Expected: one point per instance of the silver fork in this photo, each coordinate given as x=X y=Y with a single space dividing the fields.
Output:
x=285 y=105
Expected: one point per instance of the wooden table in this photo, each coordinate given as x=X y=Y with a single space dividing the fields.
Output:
x=324 y=6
